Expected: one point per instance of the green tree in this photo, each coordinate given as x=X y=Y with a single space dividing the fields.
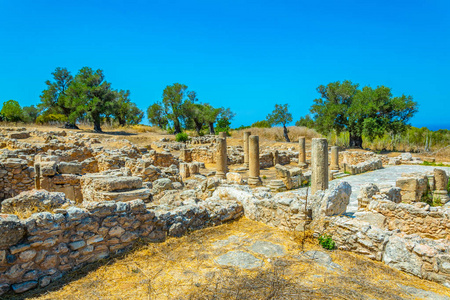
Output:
x=54 y=99
x=172 y=99
x=370 y=112
x=211 y=114
x=305 y=121
x=156 y=115
x=281 y=115
x=193 y=112
x=11 y=111
x=30 y=113
x=224 y=120
x=97 y=99
x=124 y=111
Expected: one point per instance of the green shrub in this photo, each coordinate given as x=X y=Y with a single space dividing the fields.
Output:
x=261 y=124
x=181 y=137
x=326 y=241
x=42 y=119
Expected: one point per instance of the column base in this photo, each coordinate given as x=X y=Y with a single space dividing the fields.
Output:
x=254 y=181
x=442 y=195
x=221 y=175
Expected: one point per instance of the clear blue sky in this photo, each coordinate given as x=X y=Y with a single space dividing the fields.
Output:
x=246 y=55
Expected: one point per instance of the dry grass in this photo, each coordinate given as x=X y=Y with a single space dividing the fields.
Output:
x=276 y=133
x=25 y=213
x=185 y=268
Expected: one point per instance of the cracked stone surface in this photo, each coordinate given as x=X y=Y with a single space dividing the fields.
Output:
x=267 y=249
x=240 y=259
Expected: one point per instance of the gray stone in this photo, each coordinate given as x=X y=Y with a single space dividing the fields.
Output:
x=397 y=256
x=331 y=202
x=40 y=200
x=24 y=286
x=69 y=168
x=239 y=259
x=267 y=248
x=162 y=184
x=12 y=230
x=4 y=287
x=422 y=294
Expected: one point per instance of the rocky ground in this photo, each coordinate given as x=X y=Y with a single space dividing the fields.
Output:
x=240 y=260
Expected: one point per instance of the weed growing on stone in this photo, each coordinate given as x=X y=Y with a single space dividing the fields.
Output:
x=326 y=241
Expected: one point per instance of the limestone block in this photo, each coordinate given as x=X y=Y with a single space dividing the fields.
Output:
x=38 y=200
x=69 y=168
x=233 y=177
x=118 y=183
x=12 y=230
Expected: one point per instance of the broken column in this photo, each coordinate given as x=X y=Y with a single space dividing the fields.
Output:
x=184 y=170
x=253 y=161
x=441 y=183
x=221 y=159
x=334 y=164
x=302 y=152
x=223 y=134
x=37 y=179
x=246 y=136
x=319 y=165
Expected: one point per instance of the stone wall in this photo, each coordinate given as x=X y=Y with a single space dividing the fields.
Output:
x=356 y=157
x=15 y=177
x=420 y=218
x=40 y=249
x=421 y=257
x=369 y=165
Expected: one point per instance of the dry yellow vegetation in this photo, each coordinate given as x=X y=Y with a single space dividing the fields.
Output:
x=186 y=268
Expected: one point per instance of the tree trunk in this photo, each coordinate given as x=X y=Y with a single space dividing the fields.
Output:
x=285 y=132
x=211 y=128
x=176 y=125
x=97 y=127
x=355 y=141
x=198 y=127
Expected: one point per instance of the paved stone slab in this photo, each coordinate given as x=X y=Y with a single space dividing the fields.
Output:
x=422 y=294
x=267 y=248
x=323 y=259
x=388 y=175
x=239 y=259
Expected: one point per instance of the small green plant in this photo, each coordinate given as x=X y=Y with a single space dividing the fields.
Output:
x=326 y=241
x=264 y=177
x=181 y=137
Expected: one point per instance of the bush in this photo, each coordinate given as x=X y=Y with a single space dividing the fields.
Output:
x=42 y=119
x=262 y=124
x=326 y=241
x=181 y=137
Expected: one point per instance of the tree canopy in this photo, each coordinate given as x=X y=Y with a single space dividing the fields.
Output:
x=87 y=95
x=367 y=111
x=181 y=108
x=11 y=111
x=280 y=115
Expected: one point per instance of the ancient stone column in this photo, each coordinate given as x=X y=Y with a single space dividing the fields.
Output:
x=440 y=184
x=246 y=136
x=302 y=152
x=319 y=165
x=222 y=134
x=221 y=158
x=37 y=178
x=334 y=165
x=253 y=161
x=184 y=170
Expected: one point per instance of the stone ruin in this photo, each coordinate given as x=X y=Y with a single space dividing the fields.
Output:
x=70 y=201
